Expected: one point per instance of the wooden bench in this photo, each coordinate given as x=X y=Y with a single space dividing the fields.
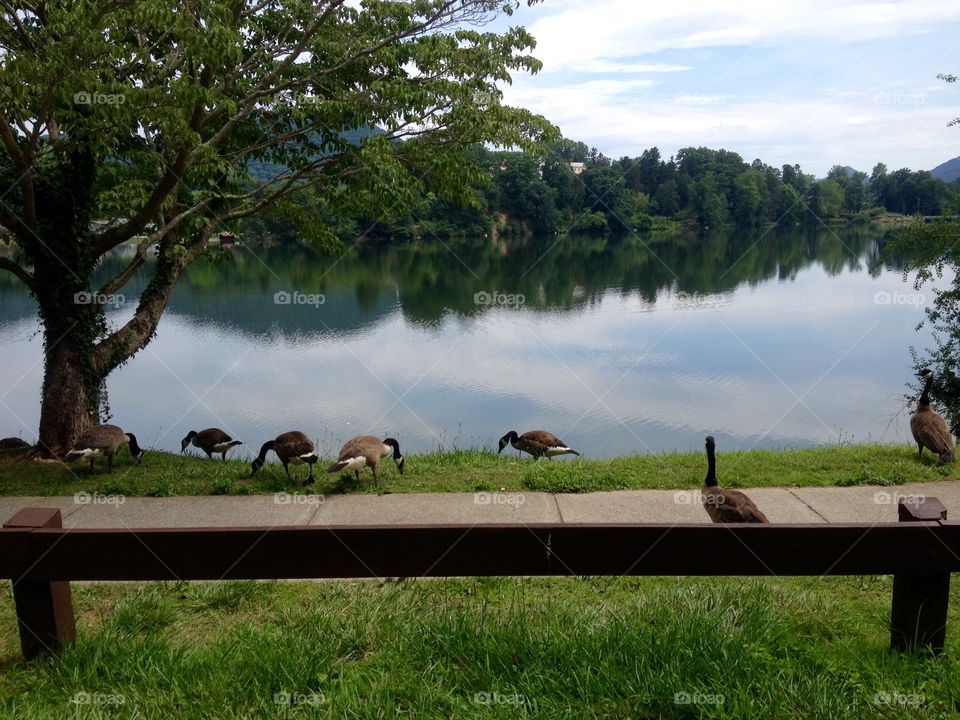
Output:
x=41 y=558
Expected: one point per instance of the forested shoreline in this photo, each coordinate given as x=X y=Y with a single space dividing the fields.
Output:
x=573 y=188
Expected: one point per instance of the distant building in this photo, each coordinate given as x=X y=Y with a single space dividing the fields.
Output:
x=577 y=167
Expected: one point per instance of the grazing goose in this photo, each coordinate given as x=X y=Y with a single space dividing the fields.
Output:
x=366 y=451
x=928 y=426
x=726 y=506
x=291 y=447
x=104 y=441
x=210 y=441
x=537 y=443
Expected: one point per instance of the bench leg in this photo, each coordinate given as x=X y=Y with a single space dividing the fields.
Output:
x=44 y=608
x=918 y=618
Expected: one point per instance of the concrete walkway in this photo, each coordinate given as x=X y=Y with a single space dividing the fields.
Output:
x=781 y=505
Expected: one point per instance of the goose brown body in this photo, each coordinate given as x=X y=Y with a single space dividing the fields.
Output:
x=290 y=447
x=537 y=443
x=210 y=441
x=722 y=505
x=366 y=451
x=104 y=441
x=928 y=426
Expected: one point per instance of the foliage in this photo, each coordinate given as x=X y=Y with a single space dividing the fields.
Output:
x=931 y=252
x=165 y=122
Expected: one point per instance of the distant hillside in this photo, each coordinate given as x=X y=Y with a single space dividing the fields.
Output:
x=948 y=171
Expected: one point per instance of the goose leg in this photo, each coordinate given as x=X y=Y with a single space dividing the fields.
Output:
x=919 y=451
x=109 y=463
x=376 y=482
x=309 y=480
x=223 y=455
x=91 y=465
x=357 y=473
x=287 y=471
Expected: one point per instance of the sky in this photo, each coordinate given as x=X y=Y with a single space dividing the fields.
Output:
x=814 y=82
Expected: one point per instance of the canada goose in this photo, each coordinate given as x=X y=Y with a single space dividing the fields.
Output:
x=726 y=506
x=104 y=440
x=366 y=451
x=210 y=441
x=537 y=443
x=928 y=426
x=291 y=447
x=13 y=443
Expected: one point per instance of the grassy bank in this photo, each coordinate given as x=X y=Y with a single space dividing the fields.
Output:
x=162 y=474
x=490 y=648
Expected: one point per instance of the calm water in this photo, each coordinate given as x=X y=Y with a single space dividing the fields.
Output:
x=617 y=346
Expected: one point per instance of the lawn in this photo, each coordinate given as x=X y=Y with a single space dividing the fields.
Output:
x=487 y=648
x=162 y=474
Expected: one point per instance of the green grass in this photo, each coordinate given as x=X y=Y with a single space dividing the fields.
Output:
x=549 y=648
x=163 y=474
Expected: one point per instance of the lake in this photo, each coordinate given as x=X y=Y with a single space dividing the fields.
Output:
x=618 y=346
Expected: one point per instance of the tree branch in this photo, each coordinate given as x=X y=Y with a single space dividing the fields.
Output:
x=20 y=272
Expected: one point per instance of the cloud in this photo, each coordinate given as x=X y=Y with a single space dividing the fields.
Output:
x=577 y=34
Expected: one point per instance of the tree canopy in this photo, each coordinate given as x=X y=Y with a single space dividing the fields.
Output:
x=154 y=122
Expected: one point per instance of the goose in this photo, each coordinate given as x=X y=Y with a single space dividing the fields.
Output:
x=537 y=443
x=928 y=426
x=210 y=441
x=104 y=441
x=291 y=447
x=366 y=451
x=726 y=506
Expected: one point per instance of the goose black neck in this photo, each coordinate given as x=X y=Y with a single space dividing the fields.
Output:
x=711 y=479
x=925 y=395
x=512 y=437
x=264 y=449
x=134 y=447
x=395 y=445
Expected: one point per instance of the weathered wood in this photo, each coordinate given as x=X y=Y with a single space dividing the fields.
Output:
x=918 y=614
x=921 y=552
x=44 y=607
x=445 y=550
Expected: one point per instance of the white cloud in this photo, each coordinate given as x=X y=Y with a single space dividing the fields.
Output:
x=578 y=34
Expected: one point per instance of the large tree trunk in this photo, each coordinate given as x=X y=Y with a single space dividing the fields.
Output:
x=68 y=406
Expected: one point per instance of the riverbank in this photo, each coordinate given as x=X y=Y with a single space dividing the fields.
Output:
x=164 y=474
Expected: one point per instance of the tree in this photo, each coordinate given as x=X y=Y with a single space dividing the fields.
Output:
x=151 y=115
x=708 y=203
x=750 y=198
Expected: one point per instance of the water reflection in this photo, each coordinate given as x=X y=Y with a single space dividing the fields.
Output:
x=617 y=345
